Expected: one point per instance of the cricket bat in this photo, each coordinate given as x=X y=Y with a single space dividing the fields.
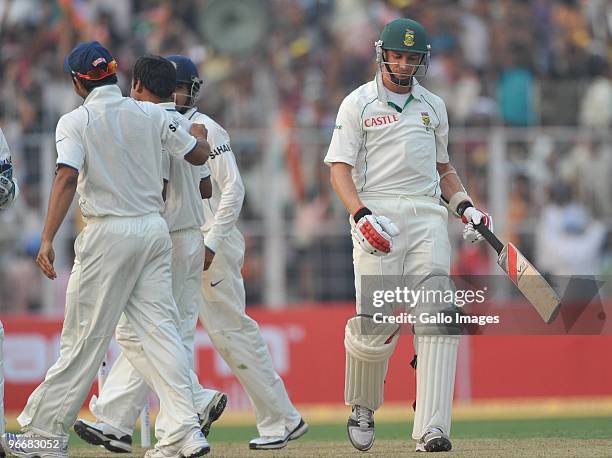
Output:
x=526 y=278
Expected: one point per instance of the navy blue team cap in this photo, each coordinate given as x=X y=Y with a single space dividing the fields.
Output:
x=91 y=61
x=186 y=70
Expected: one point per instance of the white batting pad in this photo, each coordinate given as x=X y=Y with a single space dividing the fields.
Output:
x=435 y=375
x=368 y=349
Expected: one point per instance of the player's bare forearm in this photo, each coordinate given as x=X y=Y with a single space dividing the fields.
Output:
x=342 y=182
x=62 y=193
x=450 y=183
x=199 y=154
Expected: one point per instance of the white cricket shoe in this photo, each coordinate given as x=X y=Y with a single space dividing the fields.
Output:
x=28 y=445
x=104 y=435
x=360 y=428
x=434 y=440
x=193 y=445
x=276 y=442
x=212 y=412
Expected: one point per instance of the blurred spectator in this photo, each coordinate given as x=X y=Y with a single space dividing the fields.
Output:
x=596 y=105
x=568 y=241
x=515 y=90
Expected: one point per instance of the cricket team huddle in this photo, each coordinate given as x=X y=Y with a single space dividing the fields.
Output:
x=160 y=193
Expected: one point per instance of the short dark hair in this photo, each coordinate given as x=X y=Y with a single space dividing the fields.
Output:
x=90 y=85
x=156 y=74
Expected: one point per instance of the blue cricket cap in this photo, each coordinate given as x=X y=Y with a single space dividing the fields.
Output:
x=91 y=61
x=186 y=70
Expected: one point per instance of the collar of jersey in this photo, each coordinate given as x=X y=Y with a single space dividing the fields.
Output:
x=189 y=113
x=168 y=106
x=110 y=91
x=397 y=108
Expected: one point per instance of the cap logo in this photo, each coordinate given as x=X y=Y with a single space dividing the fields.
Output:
x=98 y=61
x=409 y=37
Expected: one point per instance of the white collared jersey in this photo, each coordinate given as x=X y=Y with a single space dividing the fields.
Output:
x=183 y=208
x=221 y=211
x=393 y=150
x=115 y=143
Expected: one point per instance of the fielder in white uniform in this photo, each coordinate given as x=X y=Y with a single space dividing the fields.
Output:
x=125 y=390
x=110 y=151
x=390 y=167
x=8 y=194
x=234 y=334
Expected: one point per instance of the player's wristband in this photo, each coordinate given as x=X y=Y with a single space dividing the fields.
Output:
x=459 y=199
x=463 y=206
x=363 y=211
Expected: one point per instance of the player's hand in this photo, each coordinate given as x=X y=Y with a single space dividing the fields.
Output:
x=46 y=258
x=7 y=186
x=471 y=217
x=198 y=131
x=209 y=255
x=374 y=234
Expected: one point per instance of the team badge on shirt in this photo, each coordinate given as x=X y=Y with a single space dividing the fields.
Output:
x=426 y=119
x=409 y=37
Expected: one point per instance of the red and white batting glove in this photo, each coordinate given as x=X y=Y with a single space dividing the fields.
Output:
x=472 y=216
x=374 y=234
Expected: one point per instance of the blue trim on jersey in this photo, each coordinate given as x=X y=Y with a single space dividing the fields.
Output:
x=170 y=109
x=195 y=112
x=191 y=150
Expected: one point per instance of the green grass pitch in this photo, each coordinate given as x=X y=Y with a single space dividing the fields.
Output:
x=554 y=437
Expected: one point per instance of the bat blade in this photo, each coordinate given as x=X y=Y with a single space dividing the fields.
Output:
x=529 y=282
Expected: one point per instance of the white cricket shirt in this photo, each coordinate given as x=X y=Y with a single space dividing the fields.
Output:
x=115 y=143
x=221 y=211
x=393 y=150
x=183 y=207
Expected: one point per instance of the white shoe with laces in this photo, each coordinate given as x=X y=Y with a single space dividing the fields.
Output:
x=212 y=412
x=99 y=433
x=434 y=440
x=360 y=428
x=192 y=446
x=276 y=442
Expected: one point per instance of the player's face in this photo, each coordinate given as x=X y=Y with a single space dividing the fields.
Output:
x=403 y=65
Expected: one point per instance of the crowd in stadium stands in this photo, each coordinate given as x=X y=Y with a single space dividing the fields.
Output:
x=515 y=63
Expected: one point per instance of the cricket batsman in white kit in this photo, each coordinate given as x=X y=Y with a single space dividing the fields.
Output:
x=110 y=150
x=233 y=333
x=125 y=391
x=8 y=193
x=390 y=167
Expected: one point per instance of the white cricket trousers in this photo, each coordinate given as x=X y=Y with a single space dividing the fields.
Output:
x=236 y=337
x=122 y=266
x=125 y=391
x=1 y=379
x=421 y=248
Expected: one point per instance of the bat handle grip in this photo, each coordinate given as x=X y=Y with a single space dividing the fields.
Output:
x=489 y=237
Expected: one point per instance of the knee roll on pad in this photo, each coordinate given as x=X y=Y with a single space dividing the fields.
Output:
x=369 y=346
